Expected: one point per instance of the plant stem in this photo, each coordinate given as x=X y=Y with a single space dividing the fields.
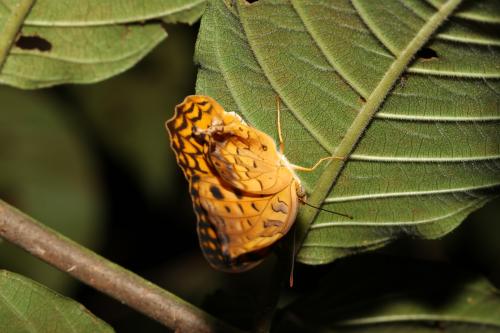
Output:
x=103 y=275
x=12 y=26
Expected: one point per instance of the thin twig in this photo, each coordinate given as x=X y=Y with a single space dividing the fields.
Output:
x=103 y=275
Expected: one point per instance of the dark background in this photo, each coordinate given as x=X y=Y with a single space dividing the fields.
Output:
x=94 y=162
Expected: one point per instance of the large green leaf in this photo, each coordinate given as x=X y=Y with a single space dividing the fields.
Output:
x=26 y=306
x=399 y=296
x=408 y=91
x=44 y=43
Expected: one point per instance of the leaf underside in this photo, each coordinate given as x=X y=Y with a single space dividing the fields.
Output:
x=409 y=90
x=26 y=306
x=45 y=43
x=401 y=295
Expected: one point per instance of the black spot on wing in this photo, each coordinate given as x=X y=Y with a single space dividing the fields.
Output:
x=216 y=192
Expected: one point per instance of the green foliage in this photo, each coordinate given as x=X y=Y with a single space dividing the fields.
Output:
x=81 y=41
x=395 y=295
x=409 y=90
x=421 y=124
x=132 y=128
x=26 y=306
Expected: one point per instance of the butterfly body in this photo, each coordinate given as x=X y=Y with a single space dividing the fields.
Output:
x=245 y=193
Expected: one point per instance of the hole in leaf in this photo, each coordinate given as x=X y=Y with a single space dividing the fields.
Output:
x=252 y=1
x=402 y=80
x=427 y=53
x=33 y=43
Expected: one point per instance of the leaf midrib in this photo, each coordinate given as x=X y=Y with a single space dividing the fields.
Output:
x=355 y=132
x=425 y=317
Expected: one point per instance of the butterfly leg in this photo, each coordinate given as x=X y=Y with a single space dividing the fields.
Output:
x=318 y=163
x=282 y=144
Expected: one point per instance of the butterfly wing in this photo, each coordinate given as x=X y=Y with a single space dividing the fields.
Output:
x=238 y=218
x=248 y=159
x=194 y=112
x=245 y=225
x=199 y=112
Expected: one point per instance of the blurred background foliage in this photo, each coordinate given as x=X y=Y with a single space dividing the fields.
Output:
x=93 y=162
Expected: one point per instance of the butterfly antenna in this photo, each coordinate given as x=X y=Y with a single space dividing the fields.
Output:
x=292 y=269
x=326 y=210
x=278 y=122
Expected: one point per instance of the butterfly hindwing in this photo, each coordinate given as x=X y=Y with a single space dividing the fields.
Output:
x=248 y=159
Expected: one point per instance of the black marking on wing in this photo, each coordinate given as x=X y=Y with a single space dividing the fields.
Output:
x=241 y=208
x=238 y=193
x=280 y=207
x=216 y=192
x=272 y=223
x=184 y=124
x=199 y=209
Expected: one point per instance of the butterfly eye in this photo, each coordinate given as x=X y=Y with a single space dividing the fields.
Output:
x=216 y=122
x=264 y=147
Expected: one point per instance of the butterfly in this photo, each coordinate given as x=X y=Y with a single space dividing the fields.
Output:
x=244 y=191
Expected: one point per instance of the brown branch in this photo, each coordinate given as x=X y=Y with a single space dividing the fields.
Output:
x=103 y=275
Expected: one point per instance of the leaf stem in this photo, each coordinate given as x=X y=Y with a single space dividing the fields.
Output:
x=12 y=26
x=103 y=275
x=363 y=119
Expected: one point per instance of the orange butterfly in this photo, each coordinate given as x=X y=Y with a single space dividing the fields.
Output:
x=244 y=191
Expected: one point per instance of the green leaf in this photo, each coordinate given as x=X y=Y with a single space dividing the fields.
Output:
x=44 y=43
x=47 y=171
x=26 y=306
x=133 y=128
x=407 y=91
x=383 y=294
